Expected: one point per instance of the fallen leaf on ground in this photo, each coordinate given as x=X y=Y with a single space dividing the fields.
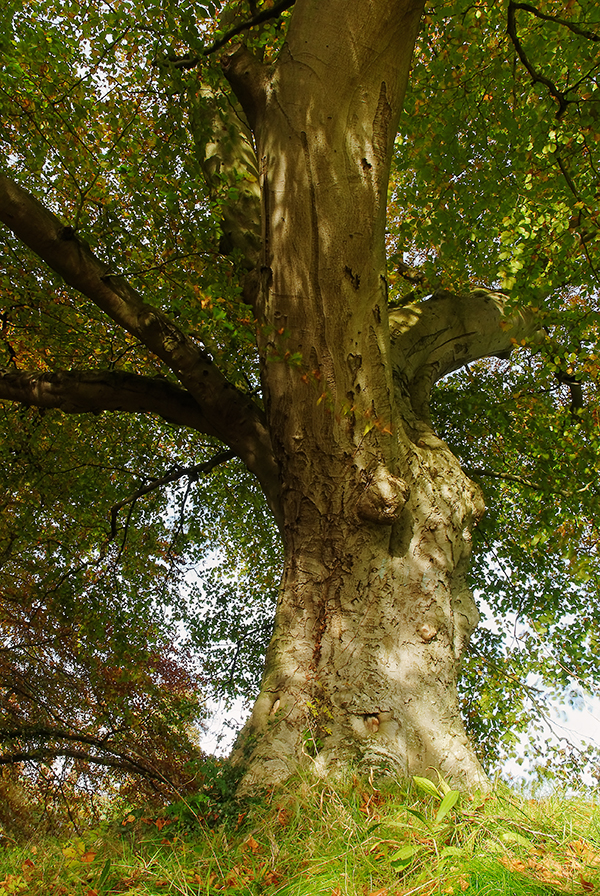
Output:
x=252 y=843
x=512 y=864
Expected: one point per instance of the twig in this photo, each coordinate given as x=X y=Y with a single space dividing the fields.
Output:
x=510 y=477
x=172 y=476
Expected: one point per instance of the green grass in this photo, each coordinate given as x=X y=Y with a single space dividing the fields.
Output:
x=345 y=839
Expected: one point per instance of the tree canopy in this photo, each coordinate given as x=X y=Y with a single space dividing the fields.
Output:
x=139 y=504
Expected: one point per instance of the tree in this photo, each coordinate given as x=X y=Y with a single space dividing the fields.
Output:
x=222 y=226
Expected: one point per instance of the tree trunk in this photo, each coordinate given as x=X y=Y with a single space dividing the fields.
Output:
x=374 y=613
x=371 y=625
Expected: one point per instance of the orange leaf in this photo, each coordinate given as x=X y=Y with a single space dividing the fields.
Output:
x=513 y=864
x=252 y=843
x=587 y=886
x=88 y=857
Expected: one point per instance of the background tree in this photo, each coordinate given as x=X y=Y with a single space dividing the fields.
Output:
x=296 y=348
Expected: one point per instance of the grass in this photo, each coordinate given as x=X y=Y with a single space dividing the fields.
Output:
x=350 y=838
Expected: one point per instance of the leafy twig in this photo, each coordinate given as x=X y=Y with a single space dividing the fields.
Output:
x=263 y=16
x=511 y=27
x=582 y=32
x=191 y=472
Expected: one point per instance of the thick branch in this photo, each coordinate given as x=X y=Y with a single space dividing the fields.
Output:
x=232 y=415
x=447 y=331
x=91 y=391
x=248 y=78
x=228 y=160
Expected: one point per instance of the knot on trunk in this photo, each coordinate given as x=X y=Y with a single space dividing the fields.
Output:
x=383 y=498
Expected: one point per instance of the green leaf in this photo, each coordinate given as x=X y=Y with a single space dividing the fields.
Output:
x=519 y=839
x=419 y=815
x=403 y=857
x=450 y=800
x=427 y=787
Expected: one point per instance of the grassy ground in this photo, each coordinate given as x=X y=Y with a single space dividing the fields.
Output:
x=348 y=839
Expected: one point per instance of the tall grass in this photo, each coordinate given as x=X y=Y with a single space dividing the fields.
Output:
x=348 y=838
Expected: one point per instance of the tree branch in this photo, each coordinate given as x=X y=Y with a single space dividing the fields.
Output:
x=582 y=32
x=443 y=333
x=265 y=15
x=536 y=77
x=91 y=391
x=520 y=480
x=248 y=78
x=228 y=158
x=509 y=477
x=231 y=414
x=191 y=472
x=42 y=754
x=114 y=757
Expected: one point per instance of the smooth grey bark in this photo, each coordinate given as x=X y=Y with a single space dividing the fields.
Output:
x=447 y=331
x=375 y=613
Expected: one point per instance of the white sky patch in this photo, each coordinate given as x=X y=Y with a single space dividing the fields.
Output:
x=223 y=724
x=579 y=726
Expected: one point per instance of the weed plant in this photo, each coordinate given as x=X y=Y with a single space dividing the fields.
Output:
x=349 y=838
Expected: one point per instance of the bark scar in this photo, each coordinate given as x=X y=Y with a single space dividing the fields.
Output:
x=352 y=277
x=381 y=124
